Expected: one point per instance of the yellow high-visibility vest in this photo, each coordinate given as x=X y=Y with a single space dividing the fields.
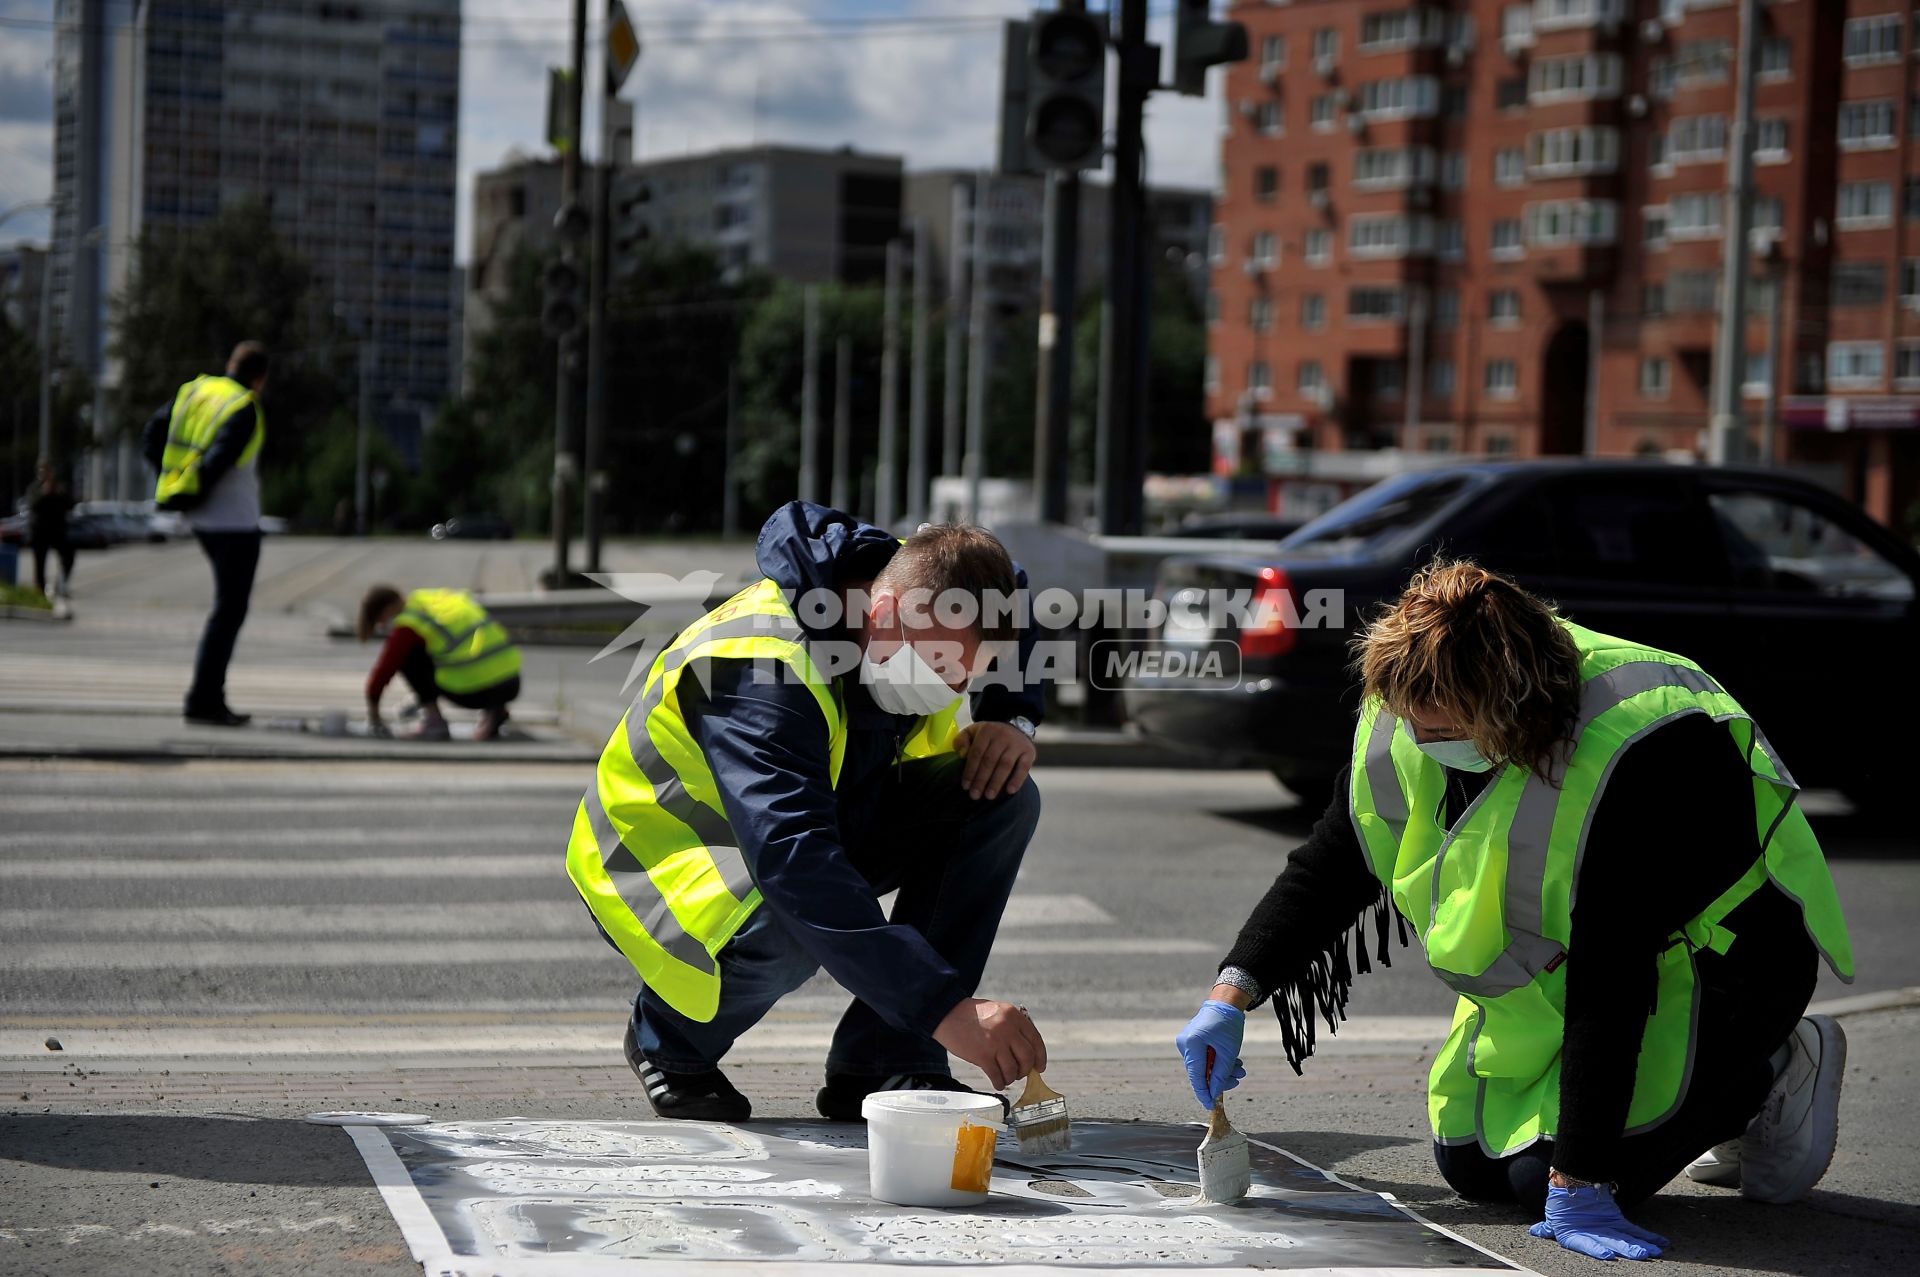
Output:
x=471 y=651
x=651 y=851
x=200 y=409
x=1492 y=897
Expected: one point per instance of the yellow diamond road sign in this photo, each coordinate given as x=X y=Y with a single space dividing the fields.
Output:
x=623 y=46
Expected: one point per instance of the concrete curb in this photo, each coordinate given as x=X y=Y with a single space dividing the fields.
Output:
x=1865 y=1003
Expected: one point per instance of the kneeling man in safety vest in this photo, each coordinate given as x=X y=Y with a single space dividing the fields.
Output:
x=1601 y=853
x=798 y=752
x=443 y=643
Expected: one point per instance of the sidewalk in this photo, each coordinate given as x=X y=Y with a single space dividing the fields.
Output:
x=171 y=1171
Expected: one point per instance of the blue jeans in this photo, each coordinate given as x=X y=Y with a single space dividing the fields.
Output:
x=965 y=853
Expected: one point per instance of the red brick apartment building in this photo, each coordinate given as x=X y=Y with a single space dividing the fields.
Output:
x=1426 y=210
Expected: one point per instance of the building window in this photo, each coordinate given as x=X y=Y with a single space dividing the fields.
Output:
x=1910 y=280
x=1697 y=139
x=1694 y=216
x=1270 y=119
x=1211 y=375
x=1859 y=283
x=1769 y=216
x=1654 y=222
x=1266 y=252
x=1260 y=379
x=1326 y=46
x=1319 y=246
x=1389 y=235
x=1913 y=115
x=1402 y=98
x=1693 y=292
x=1869 y=41
x=1571 y=152
x=1453 y=170
x=1510 y=94
x=1910 y=199
x=1319 y=174
x=1660 y=77
x=1557 y=15
x=1389 y=379
x=1576 y=78
x=1906 y=365
x=1311 y=379
x=1273 y=51
x=1656 y=378
x=1499 y=445
x=1320 y=111
x=1313 y=312
x=1217 y=244
x=1866 y=126
x=1392 y=168
x=1770 y=141
x=1516 y=26
x=1508 y=242
x=1757 y=375
x=1653 y=300
x=1401 y=29
x=1446 y=308
x=1776 y=59
x=1657 y=151
x=1699 y=62
x=1503 y=307
x=1502 y=379
x=1440 y=379
x=1509 y=166
x=1260 y=315
x=1856 y=365
x=1372 y=303
x=1453 y=101
x=1266 y=183
x=1864 y=205
x=1451 y=243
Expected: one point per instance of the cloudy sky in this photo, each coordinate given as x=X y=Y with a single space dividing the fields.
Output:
x=918 y=78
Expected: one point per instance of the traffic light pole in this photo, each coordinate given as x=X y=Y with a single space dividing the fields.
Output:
x=564 y=465
x=1059 y=262
x=1124 y=340
x=599 y=275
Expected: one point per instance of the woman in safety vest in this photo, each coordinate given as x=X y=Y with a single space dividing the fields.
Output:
x=1600 y=852
x=443 y=643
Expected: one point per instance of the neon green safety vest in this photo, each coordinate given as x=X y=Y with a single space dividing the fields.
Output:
x=1492 y=897
x=651 y=852
x=471 y=651
x=202 y=407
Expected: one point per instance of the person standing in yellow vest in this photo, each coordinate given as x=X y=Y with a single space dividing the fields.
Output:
x=1601 y=853
x=443 y=643
x=205 y=443
x=795 y=754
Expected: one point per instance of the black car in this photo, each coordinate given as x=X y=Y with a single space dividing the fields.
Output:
x=1239 y=527
x=1794 y=599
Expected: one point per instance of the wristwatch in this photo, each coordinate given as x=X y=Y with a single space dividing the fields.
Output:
x=1024 y=725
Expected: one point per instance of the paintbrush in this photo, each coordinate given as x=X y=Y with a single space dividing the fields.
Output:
x=1039 y=1119
x=1225 y=1172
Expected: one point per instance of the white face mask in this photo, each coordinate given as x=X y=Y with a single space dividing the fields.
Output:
x=1461 y=755
x=904 y=683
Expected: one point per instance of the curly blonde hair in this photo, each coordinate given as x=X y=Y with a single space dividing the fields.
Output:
x=1474 y=646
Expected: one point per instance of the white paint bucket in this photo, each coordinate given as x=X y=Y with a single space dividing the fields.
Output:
x=931 y=1148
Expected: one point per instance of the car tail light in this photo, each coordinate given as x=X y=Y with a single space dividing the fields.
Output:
x=1268 y=634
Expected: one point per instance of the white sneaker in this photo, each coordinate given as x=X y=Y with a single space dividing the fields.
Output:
x=1789 y=1143
x=1718 y=1166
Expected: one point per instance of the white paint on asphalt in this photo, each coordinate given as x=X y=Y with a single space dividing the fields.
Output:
x=111 y=868
x=552 y=830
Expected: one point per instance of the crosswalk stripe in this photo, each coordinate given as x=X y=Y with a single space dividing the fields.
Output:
x=79 y=806
x=437 y=865
x=547 y=831
x=200 y=954
x=526 y=920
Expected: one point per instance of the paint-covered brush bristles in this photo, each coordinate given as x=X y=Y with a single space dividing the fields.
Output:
x=1226 y=1175
x=1040 y=1120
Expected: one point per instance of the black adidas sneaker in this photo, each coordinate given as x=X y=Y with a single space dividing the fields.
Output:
x=839 y=1100
x=695 y=1097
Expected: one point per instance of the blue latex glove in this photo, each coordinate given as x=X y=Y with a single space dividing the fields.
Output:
x=1588 y=1222
x=1210 y=1044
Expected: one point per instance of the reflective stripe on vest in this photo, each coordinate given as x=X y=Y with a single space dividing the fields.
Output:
x=1492 y=896
x=652 y=852
x=200 y=408
x=470 y=650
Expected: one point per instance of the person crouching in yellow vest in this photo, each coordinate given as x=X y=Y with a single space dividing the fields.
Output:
x=443 y=643
x=1601 y=853
x=795 y=754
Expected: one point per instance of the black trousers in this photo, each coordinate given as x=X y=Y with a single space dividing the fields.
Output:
x=417 y=669
x=63 y=550
x=1750 y=999
x=235 y=557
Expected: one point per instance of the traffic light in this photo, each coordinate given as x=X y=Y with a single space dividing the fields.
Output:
x=562 y=305
x=1199 y=42
x=1066 y=90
